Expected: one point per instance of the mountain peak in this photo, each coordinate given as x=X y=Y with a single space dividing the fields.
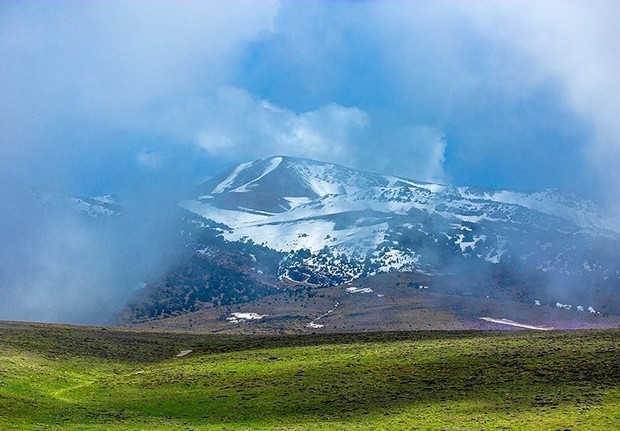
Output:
x=267 y=184
x=282 y=184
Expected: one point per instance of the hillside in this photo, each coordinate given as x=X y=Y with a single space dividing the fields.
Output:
x=386 y=302
x=80 y=378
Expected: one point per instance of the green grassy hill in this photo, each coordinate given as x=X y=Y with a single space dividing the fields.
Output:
x=74 y=378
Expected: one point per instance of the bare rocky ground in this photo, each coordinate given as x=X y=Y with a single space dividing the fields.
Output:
x=385 y=303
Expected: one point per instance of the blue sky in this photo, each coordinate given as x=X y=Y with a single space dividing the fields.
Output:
x=101 y=97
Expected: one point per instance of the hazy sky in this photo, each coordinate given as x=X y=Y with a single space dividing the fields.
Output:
x=110 y=96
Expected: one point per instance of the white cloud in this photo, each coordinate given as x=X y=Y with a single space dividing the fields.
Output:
x=431 y=145
x=416 y=152
x=236 y=123
x=114 y=64
x=168 y=70
x=450 y=55
x=575 y=44
x=151 y=159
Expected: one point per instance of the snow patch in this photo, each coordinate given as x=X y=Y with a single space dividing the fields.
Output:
x=353 y=289
x=253 y=211
x=434 y=188
x=221 y=187
x=517 y=324
x=207 y=251
x=314 y=325
x=465 y=244
x=273 y=164
x=394 y=260
x=295 y=202
x=139 y=285
x=183 y=353
x=242 y=317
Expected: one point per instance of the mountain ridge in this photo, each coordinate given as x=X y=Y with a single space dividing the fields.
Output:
x=336 y=225
x=285 y=227
x=255 y=177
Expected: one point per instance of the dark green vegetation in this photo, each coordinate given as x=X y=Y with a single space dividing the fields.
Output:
x=215 y=272
x=75 y=378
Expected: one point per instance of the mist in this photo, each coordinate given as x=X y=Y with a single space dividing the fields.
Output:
x=62 y=265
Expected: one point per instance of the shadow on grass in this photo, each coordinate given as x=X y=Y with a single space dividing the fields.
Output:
x=547 y=371
x=53 y=340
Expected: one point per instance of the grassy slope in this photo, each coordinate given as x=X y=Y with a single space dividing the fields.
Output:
x=54 y=377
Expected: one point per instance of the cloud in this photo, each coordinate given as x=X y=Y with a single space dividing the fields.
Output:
x=57 y=265
x=344 y=81
x=574 y=44
x=235 y=122
x=151 y=159
x=89 y=93
x=75 y=71
x=412 y=151
x=506 y=82
x=431 y=145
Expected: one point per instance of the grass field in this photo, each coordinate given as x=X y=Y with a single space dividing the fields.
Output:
x=72 y=378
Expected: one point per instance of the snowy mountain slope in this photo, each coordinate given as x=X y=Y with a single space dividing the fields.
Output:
x=338 y=223
x=282 y=189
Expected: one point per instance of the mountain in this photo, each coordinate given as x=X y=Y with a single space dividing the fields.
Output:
x=284 y=184
x=338 y=223
x=290 y=244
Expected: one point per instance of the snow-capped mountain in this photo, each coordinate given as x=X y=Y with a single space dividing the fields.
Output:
x=284 y=226
x=338 y=223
